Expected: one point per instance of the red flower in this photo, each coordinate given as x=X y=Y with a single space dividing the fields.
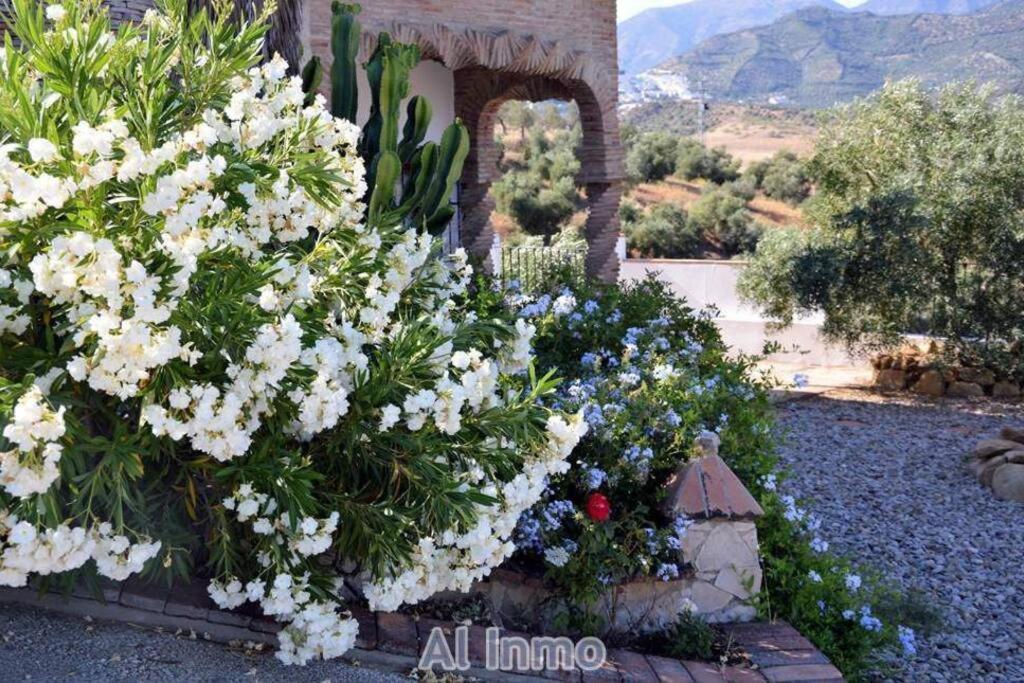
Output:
x=598 y=507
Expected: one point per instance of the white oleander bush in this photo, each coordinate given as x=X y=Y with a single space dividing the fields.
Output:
x=211 y=363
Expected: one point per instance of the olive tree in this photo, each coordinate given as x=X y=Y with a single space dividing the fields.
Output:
x=916 y=224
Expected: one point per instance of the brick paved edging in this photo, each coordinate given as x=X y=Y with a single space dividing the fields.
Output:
x=392 y=641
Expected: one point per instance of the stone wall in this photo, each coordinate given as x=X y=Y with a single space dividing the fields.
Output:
x=921 y=373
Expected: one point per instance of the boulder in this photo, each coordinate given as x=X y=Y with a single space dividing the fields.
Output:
x=960 y=389
x=1012 y=434
x=993 y=447
x=1015 y=456
x=890 y=380
x=1008 y=482
x=929 y=384
x=1004 y=389
x=986 y=469
x=981 y=376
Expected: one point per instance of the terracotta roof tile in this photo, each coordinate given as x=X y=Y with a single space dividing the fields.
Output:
x=706 y=487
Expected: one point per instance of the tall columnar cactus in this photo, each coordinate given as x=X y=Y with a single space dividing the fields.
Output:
x=410 y=182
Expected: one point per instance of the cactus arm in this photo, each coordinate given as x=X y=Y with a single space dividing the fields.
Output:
x=387 y=170
x=312 y=76
x=345 y=34
x=435 y=211
x=417 y=119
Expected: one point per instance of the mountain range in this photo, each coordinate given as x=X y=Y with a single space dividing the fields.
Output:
x=817 y=56
x=658 y=34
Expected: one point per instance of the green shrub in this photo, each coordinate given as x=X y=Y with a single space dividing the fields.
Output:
x=783 y=176
x=664 y=232
x=651 y=157
x=694 y=160
x=722 y=217
x=917 y=225
x=228 y=352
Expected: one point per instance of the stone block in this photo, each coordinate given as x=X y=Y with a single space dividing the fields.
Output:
x=890 y=380
x=989 y=448
x=708 y=598
x=743 y=582
x=930 y=383
x=725 y=547
x=669 y=670
x=802 y=672
x=960 y=389
x=396 y=633
x=1008 y=482
x=148 y=597
x=1004 y=389
x=980 y=376
x=1012 y=434
x=632 y=666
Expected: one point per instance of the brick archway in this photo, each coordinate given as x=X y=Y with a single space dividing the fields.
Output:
x=479 y=94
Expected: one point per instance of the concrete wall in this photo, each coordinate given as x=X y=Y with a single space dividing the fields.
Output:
x=706 y=283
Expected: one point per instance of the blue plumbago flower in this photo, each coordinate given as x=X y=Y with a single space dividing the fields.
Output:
x=555 y=511
x=814 y=576
x=793 y=513
x=570 y=546
x=908 y=639
x=629 y=379
x=723 y=420
x=593 y=413
x=681 y=525
x=867 y=621
x=615 y=317
x=589 y=306
x=537 y=308
x=652 y=541
x=556 y=556
x=849 y=614
x=595 y=478
x=852 y=581
x=672 y=418
x=575 y=318
x=661 y=344
x=813 y=523
x=667 y=571
x=590 y=360
x=528 y=532
x=673 y=542
x=769 y=482
x=821 y=606
x=819 y=546
x=605 y=579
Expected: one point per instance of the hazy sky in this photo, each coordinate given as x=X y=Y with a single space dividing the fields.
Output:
x=627 y=8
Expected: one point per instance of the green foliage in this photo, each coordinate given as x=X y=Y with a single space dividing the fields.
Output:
x=694 y=160
x=663 y=232
x=690 y=637
x=721 y=216
x=783 y=176
x=917 y=225
x=651 y=157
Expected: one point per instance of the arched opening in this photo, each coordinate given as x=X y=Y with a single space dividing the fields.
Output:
x=561 y=178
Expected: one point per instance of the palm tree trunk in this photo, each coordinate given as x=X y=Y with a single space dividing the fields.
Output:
x=283 y=36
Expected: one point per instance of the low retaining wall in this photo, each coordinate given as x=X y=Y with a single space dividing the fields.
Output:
x=705 y=283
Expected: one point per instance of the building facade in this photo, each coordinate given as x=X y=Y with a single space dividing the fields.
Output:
x=479 y=54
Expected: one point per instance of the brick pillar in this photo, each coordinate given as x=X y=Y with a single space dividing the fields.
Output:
x=476 y=231
x=602 y=230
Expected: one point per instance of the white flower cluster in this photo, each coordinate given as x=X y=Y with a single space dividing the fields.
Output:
x=27 y=550
x=316 y=629
x=310 y=536
x=34 y=429
x=455 y=560
x=12 y=316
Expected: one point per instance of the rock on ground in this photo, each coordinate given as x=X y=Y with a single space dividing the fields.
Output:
x=42 y=646
x=887 y=477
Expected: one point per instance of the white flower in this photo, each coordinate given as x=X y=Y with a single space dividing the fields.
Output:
x=41 y=149
x=55 y=12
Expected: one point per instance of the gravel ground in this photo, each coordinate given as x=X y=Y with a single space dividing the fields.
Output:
x=886 y=476
x=42 y=646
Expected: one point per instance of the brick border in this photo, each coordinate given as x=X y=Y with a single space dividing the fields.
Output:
x=391 y=641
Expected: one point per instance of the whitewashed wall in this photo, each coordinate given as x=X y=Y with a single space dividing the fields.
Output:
x=706 y=283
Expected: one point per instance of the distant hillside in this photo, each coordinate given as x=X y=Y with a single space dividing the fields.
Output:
x=923 y=6
x=817 y=57
x=658 y=34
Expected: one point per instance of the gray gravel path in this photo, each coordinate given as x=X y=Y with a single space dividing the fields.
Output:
x=887 y=479
x=42 y=646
